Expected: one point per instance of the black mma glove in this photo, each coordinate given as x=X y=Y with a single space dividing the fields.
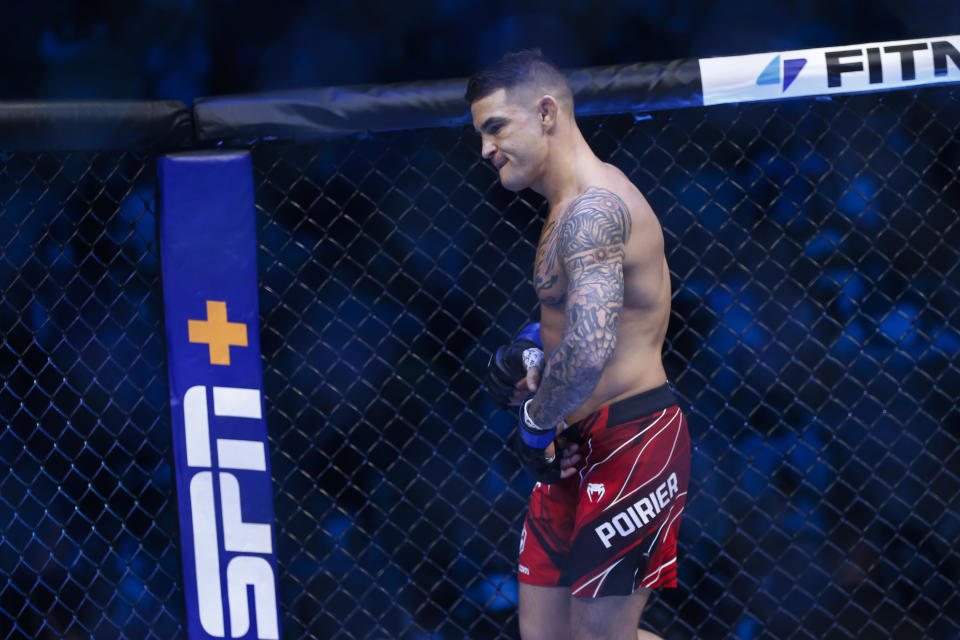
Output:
x=507 y=366
x=530 y=444
x=534 y=462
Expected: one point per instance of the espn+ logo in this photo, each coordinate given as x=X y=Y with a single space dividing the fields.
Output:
x=249 y=544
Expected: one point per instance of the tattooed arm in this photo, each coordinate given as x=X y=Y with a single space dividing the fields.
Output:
x=591 y=243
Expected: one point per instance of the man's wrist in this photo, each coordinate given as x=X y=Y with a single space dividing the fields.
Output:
x=534 y=411
x=533 y=433
x=528 y=420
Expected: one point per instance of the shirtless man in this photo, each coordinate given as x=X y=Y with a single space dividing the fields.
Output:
x=602 y=524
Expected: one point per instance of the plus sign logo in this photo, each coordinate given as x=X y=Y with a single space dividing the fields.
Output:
x=217 y=332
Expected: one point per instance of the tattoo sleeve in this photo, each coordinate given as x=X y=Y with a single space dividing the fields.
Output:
x=592 y=237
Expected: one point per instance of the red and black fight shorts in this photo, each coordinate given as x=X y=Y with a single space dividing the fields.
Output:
x=612 y=527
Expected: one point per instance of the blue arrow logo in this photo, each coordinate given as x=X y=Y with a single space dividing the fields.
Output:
x=771 y=73
x=791 y=69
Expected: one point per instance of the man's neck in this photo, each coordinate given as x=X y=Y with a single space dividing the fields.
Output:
x=563 y=176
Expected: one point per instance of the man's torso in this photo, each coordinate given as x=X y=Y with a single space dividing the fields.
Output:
x=636 y=364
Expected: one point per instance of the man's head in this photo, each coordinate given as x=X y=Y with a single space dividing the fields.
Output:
x=517 y=104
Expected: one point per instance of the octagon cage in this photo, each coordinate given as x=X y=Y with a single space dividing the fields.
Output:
x=813 y=340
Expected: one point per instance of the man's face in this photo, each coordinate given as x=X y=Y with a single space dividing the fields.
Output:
x=512 y=138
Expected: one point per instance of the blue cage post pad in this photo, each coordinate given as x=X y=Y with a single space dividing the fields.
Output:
x=209 y=265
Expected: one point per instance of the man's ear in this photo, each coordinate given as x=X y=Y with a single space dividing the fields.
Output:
x=547 y=108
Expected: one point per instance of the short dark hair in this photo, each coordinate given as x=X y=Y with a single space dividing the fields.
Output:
x=518 y=68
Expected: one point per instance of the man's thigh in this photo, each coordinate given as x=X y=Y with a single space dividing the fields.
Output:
x=544 y=612
x=552 y=613
x=607 y=618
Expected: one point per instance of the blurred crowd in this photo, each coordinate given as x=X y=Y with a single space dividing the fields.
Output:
x=185 y=49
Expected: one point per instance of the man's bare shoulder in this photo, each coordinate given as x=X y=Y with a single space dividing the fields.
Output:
x=610 y=181
x=597 y=219
x=617 y=182
x=614 y=203
x=647 y=237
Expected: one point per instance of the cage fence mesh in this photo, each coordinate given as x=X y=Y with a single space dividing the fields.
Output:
x=815 y=329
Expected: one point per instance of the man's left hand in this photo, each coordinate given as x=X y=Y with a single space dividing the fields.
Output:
x=544 y=464
x=547 y=464
x=568 y=455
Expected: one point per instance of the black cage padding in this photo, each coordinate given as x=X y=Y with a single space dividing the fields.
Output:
x=315 y=113
x=95 y=124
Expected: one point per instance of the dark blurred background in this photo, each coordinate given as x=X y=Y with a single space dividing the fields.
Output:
x=183 y=49
x=813 y=246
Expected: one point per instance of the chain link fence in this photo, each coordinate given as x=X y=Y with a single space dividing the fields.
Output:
x=87 y=524
x=815 y=330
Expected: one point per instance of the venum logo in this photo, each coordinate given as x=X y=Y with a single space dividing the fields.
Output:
x=239 y=537
x=595 y=491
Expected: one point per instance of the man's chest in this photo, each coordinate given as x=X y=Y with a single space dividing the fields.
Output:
x=549 y=280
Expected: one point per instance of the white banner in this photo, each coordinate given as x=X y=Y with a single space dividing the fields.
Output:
x=878 y=66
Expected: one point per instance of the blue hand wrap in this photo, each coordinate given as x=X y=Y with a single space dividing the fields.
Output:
x=541 y=441
x=531 y=332
x=531 y=433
